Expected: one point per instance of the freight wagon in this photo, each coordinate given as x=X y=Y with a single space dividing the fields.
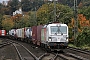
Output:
x=2 y=32
x=52 y=36
x=23 y=34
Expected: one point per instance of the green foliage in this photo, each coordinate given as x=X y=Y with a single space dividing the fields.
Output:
x=69 y=2
x=7 y=24
x=71 y=32
x=86 y=2
x=45 y=14
x=86 y=11
x=13 y=5
x=18 y=21
x=26 y=21
x=83 y=38
x=28 y=5
x=32 y=18
x=1 y=6
x=1 y=17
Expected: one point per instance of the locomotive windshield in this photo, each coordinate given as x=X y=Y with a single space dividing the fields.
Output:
x=58 y=29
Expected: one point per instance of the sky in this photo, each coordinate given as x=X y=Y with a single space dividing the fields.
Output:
x=3 y=0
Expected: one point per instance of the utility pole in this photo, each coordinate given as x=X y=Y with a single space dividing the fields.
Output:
x=54 y=10
x=35 y=16
x=75 y=22
x=48 y=13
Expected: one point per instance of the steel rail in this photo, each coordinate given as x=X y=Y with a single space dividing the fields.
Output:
x=18 y=52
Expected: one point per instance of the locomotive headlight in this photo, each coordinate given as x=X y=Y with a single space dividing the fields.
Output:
x=50 y=39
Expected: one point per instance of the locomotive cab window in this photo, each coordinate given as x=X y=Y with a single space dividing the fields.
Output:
x=58 y=29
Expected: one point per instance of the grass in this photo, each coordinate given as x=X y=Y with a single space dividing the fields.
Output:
x=83 y=47
x=86 y=47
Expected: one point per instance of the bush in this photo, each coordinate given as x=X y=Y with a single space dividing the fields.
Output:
x=83 y=38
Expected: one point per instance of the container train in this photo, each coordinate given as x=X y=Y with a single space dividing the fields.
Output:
x=53 y=36
x=2 y=33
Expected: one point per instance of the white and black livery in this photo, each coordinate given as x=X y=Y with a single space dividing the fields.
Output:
x=55 y=36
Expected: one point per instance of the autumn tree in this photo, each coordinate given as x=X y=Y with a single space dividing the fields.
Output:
x=16 y=19
x=46 y=13
x=7 y=23
x=23 y=22
x=32 y=18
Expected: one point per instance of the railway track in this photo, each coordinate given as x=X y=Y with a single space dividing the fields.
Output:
x=23 y=52
x=5 y=43
x=35 y=53
x=62 y=56
x=7 y=52
x=80 y=50
x=79 y=53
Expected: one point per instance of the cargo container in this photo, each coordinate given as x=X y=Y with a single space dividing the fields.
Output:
x=12 y=32
x=28 y=32
x=2 y=32
x=39 y=34
x=34 y=34
x=43 y=35
x=20 y=33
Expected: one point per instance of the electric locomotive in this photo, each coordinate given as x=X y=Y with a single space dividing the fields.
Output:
x=54 y=36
